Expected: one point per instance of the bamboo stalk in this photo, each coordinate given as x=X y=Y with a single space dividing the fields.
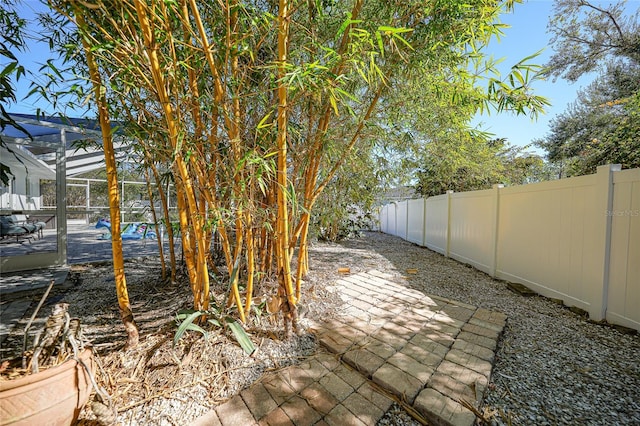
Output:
x=114 y=200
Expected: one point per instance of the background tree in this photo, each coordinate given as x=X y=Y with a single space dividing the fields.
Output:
x=601 y=126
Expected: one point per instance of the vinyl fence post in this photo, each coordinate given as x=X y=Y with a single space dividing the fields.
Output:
x=424 y=222
x=449 y=193
x=406 y=222
x=604 y=191
x=496 y=226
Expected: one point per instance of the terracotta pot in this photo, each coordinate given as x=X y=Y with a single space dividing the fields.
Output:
x=51 y=397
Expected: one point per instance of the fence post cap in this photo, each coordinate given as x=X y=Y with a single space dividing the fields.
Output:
x=609 y=167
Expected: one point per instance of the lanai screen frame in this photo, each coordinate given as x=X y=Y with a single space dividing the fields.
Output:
x=54 y=140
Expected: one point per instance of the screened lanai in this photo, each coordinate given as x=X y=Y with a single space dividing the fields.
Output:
x=43 y=148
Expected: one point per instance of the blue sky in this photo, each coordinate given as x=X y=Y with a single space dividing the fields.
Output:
x=527 y=35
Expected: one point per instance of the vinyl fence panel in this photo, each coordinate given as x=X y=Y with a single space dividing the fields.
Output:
x=415 y=221
x=401 y=219
x=437 y=226
x=624 y=267
x=471 y=228
x=384 y=219
x=546 y=233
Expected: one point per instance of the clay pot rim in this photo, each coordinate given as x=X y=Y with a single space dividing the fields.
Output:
x=69 y=364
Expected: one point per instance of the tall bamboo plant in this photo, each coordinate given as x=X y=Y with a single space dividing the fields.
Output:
x=254 y=107
x=114 y=199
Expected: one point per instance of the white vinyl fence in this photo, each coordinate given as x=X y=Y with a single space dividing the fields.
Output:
x=575 y=239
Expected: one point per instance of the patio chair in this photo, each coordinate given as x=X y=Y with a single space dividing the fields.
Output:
x=31 y=226
x=9 y=229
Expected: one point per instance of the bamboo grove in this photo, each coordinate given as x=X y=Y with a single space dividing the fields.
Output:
x=252 y=107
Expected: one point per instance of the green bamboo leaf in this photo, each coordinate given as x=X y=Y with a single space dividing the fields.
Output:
x=261 y=124
x=405 y=42
x=241 y=336
x=188 y=324
x=334 y=104
x=380 y=45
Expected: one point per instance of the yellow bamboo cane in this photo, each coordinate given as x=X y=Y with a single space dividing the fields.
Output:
x=202 y=278
x=114 y=200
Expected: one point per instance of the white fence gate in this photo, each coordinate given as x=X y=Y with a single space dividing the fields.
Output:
x=575 y=239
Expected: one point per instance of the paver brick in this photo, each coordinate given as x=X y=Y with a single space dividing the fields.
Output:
x=398 y=382
x=313 y=368
x=328 y=361
x=391 y=339
x=363 y=360
x=378 y=399
x=454 y=389
x=491 y=316
x=209 y=419
x=433 y=342
x=363 y=409
x=481 y=331
x=486 y=324
x=436 y=351
x=377 y=347
x=341 y=416
x=403 y=298
x=398 y=330
x=361 y=304
x=474 y=349
x=394 y=308
x=423 y=355
x=441 y=410
x=319 y=398
x=446 y=301
x=350 y=376
x=423 y=311
x=464 y=375
x=379 y=274
x=353 y=312
x=335 y=341
x=447 y=329
x=458 y=311
x=378 y=312
x=368 y=295
x=411 y=366
x=365 y=325
x=445 y=340
x=336 y=386
x=300 y=412
x=258 y=400
x=234 y=412
x=469 y=361
x=349 y=332
x=448 y=320
x=410 y=320
x=476 y=339
x=279 y=390
x=296 y=377
x=275 y=418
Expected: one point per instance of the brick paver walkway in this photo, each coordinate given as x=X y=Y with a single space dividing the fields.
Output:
x=391 y=342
